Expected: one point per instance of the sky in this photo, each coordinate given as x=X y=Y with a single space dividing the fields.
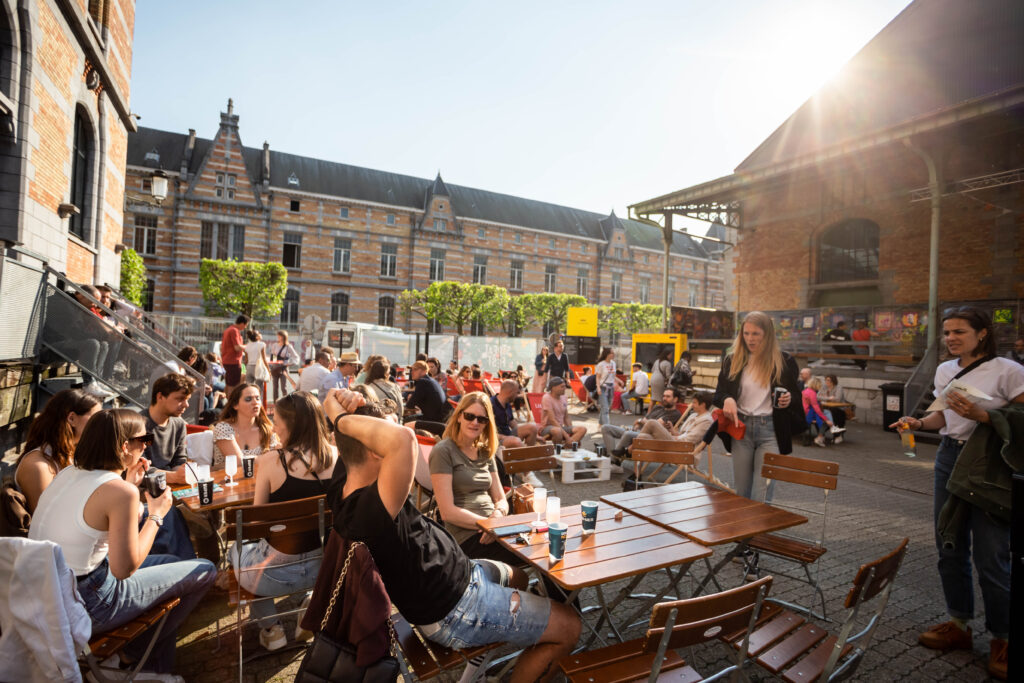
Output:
x=591 y=104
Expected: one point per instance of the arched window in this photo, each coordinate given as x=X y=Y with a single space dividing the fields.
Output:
x=386 y=311
x=290 y=307
x=339 y=306
x=81 y=177
x=848 y=251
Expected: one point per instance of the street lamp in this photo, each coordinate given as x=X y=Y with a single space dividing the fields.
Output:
x=157 y=190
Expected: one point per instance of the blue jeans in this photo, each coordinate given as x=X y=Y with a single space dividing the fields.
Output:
x=172 y=538
x=748 y=457
x=991 y=552
x=270 y=580
x=112 y=602
x=604 y=402
x=631 y=396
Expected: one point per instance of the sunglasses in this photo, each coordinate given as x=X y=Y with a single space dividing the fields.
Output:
x=470 y=417
x=144 y=439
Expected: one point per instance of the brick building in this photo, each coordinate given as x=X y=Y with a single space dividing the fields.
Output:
x=65 y=68
x=835 y=207
x=353 y=238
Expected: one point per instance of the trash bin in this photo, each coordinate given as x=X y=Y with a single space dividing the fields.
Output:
x=892 y=403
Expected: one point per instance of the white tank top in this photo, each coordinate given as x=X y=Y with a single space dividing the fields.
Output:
x=59 y=517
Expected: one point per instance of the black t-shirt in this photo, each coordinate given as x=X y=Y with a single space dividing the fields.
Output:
x=429 y=397
x=424 y=570
x=502 y=416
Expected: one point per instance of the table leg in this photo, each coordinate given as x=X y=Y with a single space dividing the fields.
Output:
x=712 y=573
x=673 y=584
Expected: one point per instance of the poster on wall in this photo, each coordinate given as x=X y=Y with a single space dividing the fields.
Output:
x=702 y=323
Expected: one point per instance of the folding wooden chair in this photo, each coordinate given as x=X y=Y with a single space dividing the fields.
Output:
x=819 y=474
x=800 y=652
x=529 y=459
x=424 y=486
x=471 y=385
x=534 y=401
x=674 y=625
x=661 y=453
x=283 y=525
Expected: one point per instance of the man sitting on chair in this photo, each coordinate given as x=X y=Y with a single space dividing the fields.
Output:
x=456 y=602
x=555 y=420
x=692 y=430
x=638 y=387
x=616 y=438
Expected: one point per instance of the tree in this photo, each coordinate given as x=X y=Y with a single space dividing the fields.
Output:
x=630 y=318
x=514 y=318
x=410 y=301
x=458 y=303
x=133 y=276
x=232 y=287
x=552 y=309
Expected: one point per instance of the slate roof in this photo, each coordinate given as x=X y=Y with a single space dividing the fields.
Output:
x=382 y=187
x=933 y=56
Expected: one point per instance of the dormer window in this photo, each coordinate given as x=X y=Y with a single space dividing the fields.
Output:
x=152 y=156
x=293 y=180
x=440 y=224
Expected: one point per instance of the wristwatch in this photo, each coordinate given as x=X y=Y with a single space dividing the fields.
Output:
x=156 y=518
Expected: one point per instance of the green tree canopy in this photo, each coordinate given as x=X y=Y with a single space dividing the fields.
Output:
x=550 y=308
x=456 y=304
x=513 y=319
x=133 y=276
x=408 y=302
x=232 y=287
x=630 y=318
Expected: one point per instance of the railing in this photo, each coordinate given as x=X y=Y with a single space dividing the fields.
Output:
x=149 y=320
x=921 y=379
x=204 y=332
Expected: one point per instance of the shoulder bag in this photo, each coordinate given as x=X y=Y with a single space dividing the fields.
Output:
x=328 y=661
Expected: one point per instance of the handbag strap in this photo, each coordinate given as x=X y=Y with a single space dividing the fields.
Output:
x=392 y=636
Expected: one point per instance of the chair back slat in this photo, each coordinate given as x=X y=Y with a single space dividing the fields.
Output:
x=669 y=445
x=802 y=464
x=707 y=617
x=531 y=465
x=668 y=457
x=821 y=481
x=868 y=584
x=527 y=452
x=286 y=525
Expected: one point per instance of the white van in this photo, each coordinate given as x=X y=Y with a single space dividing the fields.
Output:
x=367 y=339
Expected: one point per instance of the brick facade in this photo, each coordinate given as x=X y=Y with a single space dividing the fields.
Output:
x=276 y=215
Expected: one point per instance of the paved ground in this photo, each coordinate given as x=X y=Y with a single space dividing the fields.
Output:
x=882 y=497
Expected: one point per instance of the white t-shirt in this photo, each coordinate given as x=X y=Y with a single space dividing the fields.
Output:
x=1000 y=378
x=606 y=366
x=755 y=398
x=312 y=376
x=640 y=382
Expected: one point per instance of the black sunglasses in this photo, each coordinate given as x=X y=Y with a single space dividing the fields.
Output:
x=482 y=419
x=144 y=439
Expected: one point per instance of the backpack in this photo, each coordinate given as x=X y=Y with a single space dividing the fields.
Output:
x=682 y=376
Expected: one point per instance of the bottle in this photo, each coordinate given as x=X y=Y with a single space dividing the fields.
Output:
x=907 y=439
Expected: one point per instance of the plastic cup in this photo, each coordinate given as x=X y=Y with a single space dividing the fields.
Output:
x=589 y=510
x=575 y=445
x=558 y=449
x=248 y=467
x=205 y=491
x=556 y=541
x=190 y=473
x=554 y=511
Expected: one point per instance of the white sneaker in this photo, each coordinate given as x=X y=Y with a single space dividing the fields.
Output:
x=96 y=390
x=819 y=441
x=532 y=479
x=838 y=430
x=301 y=633
x=273 y=638
x=838 y=440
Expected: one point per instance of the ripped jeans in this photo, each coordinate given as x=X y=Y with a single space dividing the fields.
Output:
x=489 y=612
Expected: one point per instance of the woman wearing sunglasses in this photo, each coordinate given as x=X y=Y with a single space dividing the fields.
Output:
x=243 y=429
x=91 y=510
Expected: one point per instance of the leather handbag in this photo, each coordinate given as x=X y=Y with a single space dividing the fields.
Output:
x=522 y=499
x=328 y=661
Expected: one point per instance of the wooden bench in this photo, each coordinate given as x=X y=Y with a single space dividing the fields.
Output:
x=106 y=645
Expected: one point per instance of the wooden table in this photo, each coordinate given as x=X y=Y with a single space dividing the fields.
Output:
x=706 y=515
x=630 y=548
x=242 y=494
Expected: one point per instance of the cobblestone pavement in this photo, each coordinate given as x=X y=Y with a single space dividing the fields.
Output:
x=882 y=497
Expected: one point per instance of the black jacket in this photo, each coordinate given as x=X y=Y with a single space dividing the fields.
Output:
x=788 y=421
x=559 y=367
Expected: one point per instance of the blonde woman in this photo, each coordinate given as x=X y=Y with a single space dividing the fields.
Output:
x=746 y=383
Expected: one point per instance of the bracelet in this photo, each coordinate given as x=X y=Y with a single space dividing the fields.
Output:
x=156 y=518
x=338 y=418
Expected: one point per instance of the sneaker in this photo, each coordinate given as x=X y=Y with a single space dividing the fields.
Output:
x=838 y=430
x=838 y=440
x=301 y=633
x=819 y=441
x=273 y=638
x=997 y=655
x=947 y=636
x=532 y=479
x=96 y=390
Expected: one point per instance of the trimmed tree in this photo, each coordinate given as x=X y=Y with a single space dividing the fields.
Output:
x=630 y=318
x=513 y=320
x=233 y=287
x=457 y=304
x=133 y=276
x=549 y=308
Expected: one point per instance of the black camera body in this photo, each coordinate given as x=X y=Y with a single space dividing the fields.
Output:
x=154 y=482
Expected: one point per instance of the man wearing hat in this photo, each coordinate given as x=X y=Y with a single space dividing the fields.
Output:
x=557 y=425
x=347 y=367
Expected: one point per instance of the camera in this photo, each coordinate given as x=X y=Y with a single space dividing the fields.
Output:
x=154 y=482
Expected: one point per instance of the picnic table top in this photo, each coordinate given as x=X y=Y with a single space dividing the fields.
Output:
x=703 y=513
x=617 y=549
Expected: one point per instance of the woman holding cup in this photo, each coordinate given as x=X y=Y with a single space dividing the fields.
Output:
x=970 y=339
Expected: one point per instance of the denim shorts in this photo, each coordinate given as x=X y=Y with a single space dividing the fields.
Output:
x=484 y=613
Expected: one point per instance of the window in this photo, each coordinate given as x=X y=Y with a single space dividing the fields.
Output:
x=226 y=185
x=480 y=269
x=616 y=286
x=433 y=326
x=436 y=265
x=81 y=172
x=582 y=281
x=848 y=251
x=515 y=280
x=290 y=307
x=620 y=253
x=148 y=295
x=222 y=241
x=550 y=275
x=583 y=248
x=344 y=212
x=386 y=311
x=440 y=224
x=291 y=253
x=519 y=238
x=645 y=290
x=145 y=234
x=476 y=328
x=339 y=306
x=388 y=260
x=293 y=206
x=671 y=291
x=551 y=243
x=693 y=294
x=647 y=258
x=342 y=257
x=293 y=180
x=480 y=232
x=390 y=219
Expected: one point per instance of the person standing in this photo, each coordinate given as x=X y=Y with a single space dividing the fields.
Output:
x=540 y=366
x=969 y=337
x=558 y=363
x=231 y=350
x=746 y=382
x=286 y=358
x=861 y=333
x=661 y=373
x=257 y=368
x=605 y=371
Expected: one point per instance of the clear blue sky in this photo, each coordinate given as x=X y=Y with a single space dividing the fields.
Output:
x=592 y=104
